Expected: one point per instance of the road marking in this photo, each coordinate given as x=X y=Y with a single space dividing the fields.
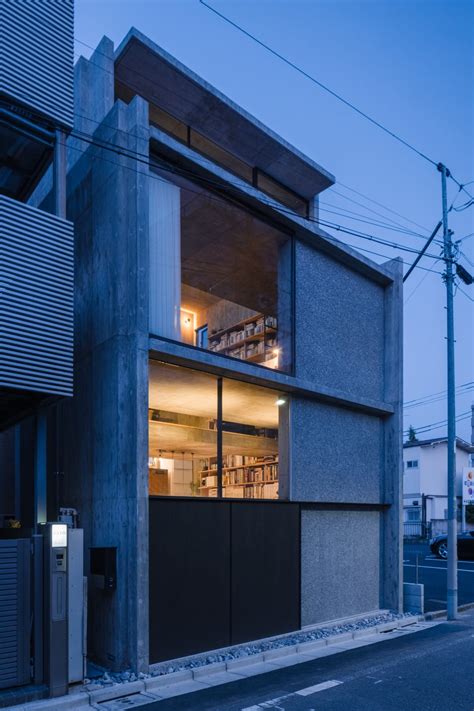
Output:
x=317 y=687
x=273 y=703
x=436 y=567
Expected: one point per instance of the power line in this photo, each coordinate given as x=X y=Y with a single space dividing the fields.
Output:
x=183 y=98
x=469 y=384
x=318 y=83
x=145 y=159
x=380 y=204
x=417 y=286
x=465 y=294
x=362 y=218
x=368 y=209
x=440 y=423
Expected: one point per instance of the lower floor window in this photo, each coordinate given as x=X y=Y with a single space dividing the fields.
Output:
x=211 y=436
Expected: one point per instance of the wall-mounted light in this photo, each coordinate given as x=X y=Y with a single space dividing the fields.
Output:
x=281 y=401
x=276 y=351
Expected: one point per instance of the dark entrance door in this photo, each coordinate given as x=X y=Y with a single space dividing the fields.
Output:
x=221 y=573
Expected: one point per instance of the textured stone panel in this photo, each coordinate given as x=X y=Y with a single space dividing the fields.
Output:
x=336 y=454
x=339 y=327
x=340 y=568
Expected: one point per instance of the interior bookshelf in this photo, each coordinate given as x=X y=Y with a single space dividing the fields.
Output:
x=253 y=339
x=243 y=477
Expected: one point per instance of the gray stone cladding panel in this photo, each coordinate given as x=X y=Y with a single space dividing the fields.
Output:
x=340 y=570
x=339 y=325
x=336 y=454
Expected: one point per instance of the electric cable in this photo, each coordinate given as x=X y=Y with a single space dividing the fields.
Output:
x=318 y=83
x=137 y=73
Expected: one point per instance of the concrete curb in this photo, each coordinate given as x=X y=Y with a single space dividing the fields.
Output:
x=85 y=699
x=443 y=613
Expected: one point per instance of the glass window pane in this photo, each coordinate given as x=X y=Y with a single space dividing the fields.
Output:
x=182 y=431
x=214 y=263
x=251 y=420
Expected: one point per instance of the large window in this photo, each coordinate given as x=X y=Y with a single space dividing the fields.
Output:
x=211 y=436
x=220 y=278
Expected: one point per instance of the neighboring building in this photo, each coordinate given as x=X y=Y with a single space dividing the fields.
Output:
x=36 y=300
x=234 y=446
x=425 y=499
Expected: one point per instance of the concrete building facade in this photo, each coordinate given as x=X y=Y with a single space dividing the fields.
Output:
x=235 y=432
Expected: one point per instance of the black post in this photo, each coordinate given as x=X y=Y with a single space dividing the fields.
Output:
x=219 y=438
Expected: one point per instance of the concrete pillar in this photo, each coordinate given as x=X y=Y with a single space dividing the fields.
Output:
x=313 y=208
x=391 y=554
x=106 y=424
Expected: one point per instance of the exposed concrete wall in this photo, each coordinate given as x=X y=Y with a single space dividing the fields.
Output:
x=339 y=325
x=337 y=454
x=340 y=567
x=105 y=425
x=391 y=552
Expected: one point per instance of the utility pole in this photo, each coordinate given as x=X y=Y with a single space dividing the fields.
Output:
x=452 y=563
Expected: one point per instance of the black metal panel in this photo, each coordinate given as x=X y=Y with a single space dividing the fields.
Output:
x=265 y=555
x=189 y=577
x=14 y=612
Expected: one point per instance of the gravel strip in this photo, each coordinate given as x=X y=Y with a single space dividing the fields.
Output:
x=243 y=650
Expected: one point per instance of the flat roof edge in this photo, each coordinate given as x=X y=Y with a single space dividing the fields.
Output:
x=137 y=35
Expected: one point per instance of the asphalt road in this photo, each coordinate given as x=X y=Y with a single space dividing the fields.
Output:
x=430 y=670
x=432 y=573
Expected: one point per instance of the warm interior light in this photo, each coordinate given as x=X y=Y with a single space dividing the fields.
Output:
x=276 y=351
x=280 y=402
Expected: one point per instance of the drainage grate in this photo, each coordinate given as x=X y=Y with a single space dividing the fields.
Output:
x=125 y=702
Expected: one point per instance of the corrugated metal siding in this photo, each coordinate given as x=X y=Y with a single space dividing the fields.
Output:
x=37 y=55
x=14 y=612
x=36 y=299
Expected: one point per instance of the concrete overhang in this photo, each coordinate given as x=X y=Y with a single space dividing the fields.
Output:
x=159 y=78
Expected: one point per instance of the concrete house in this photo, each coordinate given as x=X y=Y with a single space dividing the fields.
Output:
x=425 y=497
x=233 y=447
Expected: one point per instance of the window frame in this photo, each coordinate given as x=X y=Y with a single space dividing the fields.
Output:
x=220 y=429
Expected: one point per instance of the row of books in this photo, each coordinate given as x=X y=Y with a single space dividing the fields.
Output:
x=267 y=491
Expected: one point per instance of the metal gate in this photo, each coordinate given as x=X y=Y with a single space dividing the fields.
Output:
x=15 y=587
x=221 y=573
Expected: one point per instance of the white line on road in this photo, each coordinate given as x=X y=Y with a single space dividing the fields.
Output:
x=317 y=687
x=273 y=703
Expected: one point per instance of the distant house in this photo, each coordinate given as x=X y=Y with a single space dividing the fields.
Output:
x=425 y=497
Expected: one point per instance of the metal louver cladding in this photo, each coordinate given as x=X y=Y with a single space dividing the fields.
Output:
x=14 y=612
x=36 y=299
x=37 y=56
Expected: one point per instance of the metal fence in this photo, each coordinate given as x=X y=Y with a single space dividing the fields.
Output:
x=417 y=529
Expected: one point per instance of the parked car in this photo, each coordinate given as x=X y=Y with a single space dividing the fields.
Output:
x=439 y=545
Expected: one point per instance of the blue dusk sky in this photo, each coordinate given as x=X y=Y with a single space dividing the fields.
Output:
x=407 y=63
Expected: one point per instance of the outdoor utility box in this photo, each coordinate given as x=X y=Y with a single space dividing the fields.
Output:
x=104 y=568
x=77 y=596
x=55 y=554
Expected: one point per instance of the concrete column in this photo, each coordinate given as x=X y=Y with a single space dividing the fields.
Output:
x=313 y=208
x=106 y=426
x=391 y=553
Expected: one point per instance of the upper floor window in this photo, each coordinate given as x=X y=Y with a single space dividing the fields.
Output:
x=412 y=464
x=220 y=277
